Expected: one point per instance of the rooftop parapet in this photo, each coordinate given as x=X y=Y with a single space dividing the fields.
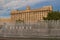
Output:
x=28 y=9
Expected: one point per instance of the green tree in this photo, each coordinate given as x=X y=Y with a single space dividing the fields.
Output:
x=19 y=21
x=55 y=15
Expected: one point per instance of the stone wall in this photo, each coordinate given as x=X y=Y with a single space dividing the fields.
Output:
x=40 y=29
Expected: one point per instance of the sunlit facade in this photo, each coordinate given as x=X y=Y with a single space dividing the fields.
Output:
x=30 y=15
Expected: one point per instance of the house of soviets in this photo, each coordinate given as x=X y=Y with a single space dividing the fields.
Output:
x=30 y=15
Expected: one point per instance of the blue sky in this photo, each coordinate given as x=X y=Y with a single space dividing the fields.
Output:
x=7 y=5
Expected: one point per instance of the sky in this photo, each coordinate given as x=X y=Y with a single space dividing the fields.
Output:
x=7 y=5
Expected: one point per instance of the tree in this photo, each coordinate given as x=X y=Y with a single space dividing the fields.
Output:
x=55 y=15
x=19 y=21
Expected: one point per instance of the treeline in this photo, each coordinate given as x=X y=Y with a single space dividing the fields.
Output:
x=54 y=15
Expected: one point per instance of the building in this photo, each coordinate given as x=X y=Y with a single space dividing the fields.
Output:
x=30 y=15
x=5 y=20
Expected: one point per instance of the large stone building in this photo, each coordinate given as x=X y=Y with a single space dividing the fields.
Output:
x=30 y=15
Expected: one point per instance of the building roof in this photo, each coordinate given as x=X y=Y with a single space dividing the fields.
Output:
x=44 y=8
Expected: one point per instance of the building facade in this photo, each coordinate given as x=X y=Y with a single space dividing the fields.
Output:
x=30 y=15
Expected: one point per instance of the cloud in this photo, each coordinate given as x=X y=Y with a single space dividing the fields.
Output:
x=2 y=2
x=4 y=16
x=20 y=3
x=8 y=5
